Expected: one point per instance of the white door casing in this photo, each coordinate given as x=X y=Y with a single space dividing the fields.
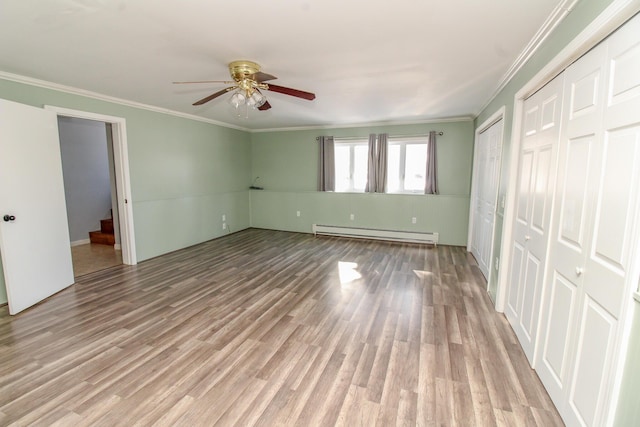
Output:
x=591 y=251
x=123 y=181
x=36 y=256
x=537 y=166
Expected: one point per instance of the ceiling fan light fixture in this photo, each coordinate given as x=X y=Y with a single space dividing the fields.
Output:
x=256 y=100
x=248 y=82
x=237 y=99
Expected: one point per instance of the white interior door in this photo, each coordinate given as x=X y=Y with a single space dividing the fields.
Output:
x=486 y=179
x=36 y=256
x=537 y=168
x=591 y=251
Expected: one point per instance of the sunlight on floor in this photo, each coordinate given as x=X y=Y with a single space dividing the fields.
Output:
x=422 y=274
x=347 y=272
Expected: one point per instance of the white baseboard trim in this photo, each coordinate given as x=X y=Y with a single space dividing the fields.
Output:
x=117 y=246
x=376 y=234
x=80 y=242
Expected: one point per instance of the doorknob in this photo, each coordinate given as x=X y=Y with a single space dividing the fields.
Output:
x=8 y=218
x=579 y=271
x=527 y=238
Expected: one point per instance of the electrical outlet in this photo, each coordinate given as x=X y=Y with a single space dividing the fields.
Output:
x=297 y=213
x=413 y=220
x=224 y=225
x=224 y=217
x=352 y=217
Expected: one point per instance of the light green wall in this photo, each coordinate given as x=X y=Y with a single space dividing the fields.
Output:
x=628 y=412
x=583 y=14
x=287 y=164
x=184 y=174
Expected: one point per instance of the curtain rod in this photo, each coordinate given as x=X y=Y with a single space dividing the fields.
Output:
x=349 y=138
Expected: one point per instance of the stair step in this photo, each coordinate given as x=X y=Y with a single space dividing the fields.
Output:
x=106 y=225
x=102 y=238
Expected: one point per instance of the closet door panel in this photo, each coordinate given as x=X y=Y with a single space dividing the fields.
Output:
x=531 y=292
x=515 y=270
x=555 y=352
x=614 y=219
x=573 y=214
x=526 y=170
x=536 y=183
x=541 y=192
x=486 y=170
x=595 y=345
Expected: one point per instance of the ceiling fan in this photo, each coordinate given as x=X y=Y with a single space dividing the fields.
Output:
x=247 y=83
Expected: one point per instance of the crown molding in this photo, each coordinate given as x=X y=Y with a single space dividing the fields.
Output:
x=367 y=124
x=101 y=97
x=120 y=101
x=553 y=20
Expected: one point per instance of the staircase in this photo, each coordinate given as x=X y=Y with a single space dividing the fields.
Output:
x=105 y=236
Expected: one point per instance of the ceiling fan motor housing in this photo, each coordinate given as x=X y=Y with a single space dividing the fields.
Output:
x=241 y=70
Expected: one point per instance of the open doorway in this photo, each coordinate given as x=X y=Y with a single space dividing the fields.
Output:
x=86 y=148
x=104 y=145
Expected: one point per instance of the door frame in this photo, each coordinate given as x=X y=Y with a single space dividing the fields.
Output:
x=616 y=14
x=613 y=17
x=123 y=181
x=492 y=120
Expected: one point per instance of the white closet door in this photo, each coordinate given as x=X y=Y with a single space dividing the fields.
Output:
x=540 y=133
x=486 y=180
x=581 y=125
x=597 y=215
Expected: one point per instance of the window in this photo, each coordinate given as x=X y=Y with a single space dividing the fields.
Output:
x=351 y=165
x=406 y=165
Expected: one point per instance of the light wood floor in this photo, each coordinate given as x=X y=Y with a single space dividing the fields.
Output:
x=92 y=257
x=257 y=328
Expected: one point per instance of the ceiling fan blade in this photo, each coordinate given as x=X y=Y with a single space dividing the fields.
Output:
x=264 y=106
x=204 y=81
x=263 y=77
x=213 y=96
x=292 y=92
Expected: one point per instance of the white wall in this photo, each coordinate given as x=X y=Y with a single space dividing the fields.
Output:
x=85 y=165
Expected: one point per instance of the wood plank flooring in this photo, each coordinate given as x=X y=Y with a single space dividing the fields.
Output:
x=271 y=328
x=92 y=257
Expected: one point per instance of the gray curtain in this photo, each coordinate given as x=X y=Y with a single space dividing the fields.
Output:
x=371 y=165
x=326 y=166
x=381 y=160
x=431 y=183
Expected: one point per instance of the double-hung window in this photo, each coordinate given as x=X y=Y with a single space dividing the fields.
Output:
x=351 y=165
x=406 y=165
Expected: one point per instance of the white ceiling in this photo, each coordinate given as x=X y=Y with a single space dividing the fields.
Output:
x=366 y=61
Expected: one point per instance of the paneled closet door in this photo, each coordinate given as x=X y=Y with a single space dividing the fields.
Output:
x=486 y=179
x=479 y=166
x=597 y=214
x=581 y=127
x=537 y=165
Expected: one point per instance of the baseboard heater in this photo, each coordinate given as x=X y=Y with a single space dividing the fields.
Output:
x=369 y=233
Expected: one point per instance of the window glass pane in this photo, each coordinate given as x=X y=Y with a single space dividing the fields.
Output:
x=393 y=168
x=360 y=167
x=415 y=167
x=343 y=179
